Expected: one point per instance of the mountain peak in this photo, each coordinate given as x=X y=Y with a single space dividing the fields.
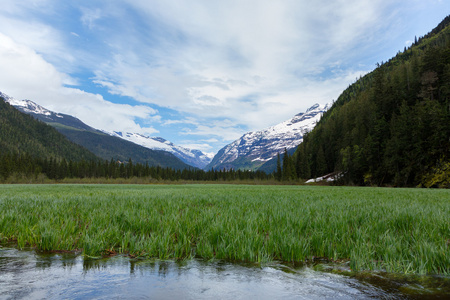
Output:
x=27 y=105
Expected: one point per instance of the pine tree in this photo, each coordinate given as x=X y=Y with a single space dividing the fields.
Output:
x=321 y=165
x=288 y=170
x=302 y=165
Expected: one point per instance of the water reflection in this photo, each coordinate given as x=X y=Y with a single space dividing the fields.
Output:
x=30 y=275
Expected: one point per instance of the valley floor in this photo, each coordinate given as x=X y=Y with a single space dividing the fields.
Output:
x=394 y=230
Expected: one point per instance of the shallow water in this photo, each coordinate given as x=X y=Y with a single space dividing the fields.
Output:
x=30 y=275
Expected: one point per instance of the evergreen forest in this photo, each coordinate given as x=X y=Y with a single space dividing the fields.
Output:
x=22 y=134
x=392 y=126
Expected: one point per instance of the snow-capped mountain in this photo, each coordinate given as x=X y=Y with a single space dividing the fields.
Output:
x=192 y=157
x=255 y=148
x=28 y=106
x=45 y=115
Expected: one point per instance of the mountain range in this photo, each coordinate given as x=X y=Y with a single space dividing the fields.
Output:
x=98 y=142
x=63 y=122
x=251 y=151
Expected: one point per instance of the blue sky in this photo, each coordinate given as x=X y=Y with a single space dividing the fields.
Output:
x=198 y=73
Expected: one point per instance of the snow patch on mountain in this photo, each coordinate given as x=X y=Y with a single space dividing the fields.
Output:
x=192 y=157
x=29 y=106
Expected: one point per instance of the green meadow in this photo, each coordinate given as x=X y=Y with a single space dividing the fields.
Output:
x=394 y=230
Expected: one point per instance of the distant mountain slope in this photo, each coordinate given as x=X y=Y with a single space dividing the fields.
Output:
x=20 y=133
x=98 y=142
x=107 y=147
x=192 y=157
x=45 y=115
x=254 y=149
x=392 y=126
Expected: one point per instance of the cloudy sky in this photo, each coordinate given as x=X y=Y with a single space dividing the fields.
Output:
x=199 y=73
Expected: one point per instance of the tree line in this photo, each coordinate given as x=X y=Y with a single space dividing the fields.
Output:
x=57 y=169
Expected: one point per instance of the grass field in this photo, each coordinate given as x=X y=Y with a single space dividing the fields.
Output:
x=397 y=230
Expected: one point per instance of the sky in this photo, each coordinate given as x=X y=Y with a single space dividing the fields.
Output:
x=199 y=73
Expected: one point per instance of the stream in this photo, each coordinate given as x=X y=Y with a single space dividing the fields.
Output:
x=27 y=274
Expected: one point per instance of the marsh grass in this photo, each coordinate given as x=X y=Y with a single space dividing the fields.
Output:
x=394 y=230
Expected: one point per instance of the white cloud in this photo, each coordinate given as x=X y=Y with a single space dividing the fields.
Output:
x=226 y=130
x=29 y=76
x=251 y=63
x=90 y=16
x=205 y=147
x=189 y=120
x=21 y=22
x=238 y=56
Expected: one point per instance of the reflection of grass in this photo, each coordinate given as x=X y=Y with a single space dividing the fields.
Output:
x=397 y=230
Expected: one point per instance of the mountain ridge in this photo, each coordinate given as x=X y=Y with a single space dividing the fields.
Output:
x=41 y=113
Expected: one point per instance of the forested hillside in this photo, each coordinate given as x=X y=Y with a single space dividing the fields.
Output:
x=391 y=127
x=20 y=133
